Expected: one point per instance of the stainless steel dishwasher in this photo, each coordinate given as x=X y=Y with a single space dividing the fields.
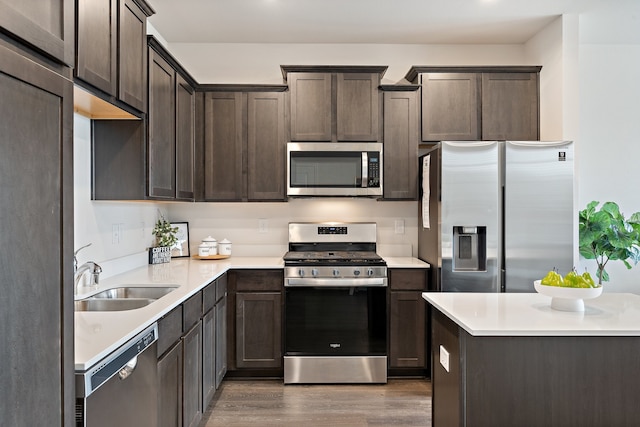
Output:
x=121 y=389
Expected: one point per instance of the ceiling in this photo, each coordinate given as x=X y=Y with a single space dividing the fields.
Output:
x=358 y=21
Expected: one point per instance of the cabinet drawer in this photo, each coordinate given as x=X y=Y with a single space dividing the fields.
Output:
x=259 y=280
x=408 y=279
x=169 y=330
x=209 y=296
x=192 y=311
x=221 y=287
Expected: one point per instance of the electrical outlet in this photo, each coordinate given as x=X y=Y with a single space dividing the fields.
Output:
x=444 y=358
x=399 y=226
x=263 y=225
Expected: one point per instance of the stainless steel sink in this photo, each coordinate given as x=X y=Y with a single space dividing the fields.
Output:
x=123 y=298
x=151 y=292
x=91 y=304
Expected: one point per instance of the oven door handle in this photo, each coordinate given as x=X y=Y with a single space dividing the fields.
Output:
x=341 y=283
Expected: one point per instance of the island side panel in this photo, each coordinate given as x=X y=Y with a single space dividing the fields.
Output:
x=551 y=381
x=446 y=406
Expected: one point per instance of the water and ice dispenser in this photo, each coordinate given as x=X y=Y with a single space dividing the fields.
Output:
x=469 y=248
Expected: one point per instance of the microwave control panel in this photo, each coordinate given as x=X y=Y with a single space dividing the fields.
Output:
x=374 y=169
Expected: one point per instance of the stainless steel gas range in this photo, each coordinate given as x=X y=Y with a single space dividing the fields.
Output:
x=335 y=305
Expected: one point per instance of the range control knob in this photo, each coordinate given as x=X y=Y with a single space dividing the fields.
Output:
x=370 y=272
x=301 y=272
x=314 y=272
x=356 y=272
x=336 y=272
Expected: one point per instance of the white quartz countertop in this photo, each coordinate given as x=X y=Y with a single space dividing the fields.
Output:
x=405 y=262
x=516 y=314
x=98 y=333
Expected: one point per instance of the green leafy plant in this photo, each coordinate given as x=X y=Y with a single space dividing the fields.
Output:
x=605 y=235
x=165 y=234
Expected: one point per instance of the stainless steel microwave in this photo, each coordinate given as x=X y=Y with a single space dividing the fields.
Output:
x=334 y=169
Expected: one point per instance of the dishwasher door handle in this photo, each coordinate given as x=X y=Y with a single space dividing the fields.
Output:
x=128 y=368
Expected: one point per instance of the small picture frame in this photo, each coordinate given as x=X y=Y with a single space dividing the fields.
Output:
x=181 y=248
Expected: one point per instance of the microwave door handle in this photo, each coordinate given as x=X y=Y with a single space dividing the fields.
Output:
x=365 y=169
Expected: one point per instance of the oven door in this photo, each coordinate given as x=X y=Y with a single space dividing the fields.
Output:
x=335 y=334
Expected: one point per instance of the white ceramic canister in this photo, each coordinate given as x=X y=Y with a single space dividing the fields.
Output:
x=213 y=245
x=203 y=249
x=224 y=247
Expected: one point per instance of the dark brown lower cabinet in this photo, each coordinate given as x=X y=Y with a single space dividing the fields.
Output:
x=221 y=338
x=407 y=321
x=258 y=330
x=192 y=376
x=208 y=357
x=170 y=387
x=255 y=322
x=184 y=359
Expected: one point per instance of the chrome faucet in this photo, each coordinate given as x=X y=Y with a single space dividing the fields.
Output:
x=78 y=272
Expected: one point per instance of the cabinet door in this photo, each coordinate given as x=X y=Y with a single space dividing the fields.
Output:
x=259 y=330
x=510 y=106
x=221 y=340
x=192 y=377
x=162 y=136
x=97 y=44
x=357 y=104
x=47 y=27
x=407 y=330
x=170 y=387
x=223 y=147
x=185 y=139
x=208 y=357
x=265 y=146
x=310 y=106
x=36 y=176
x=132 y=66
x=400 y=177
x=450 y=109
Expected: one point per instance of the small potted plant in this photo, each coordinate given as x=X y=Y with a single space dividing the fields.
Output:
x=605 y=235
x=166 y=237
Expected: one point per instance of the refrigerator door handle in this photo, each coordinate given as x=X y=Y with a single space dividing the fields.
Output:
x=469 y=143
x=539 y=143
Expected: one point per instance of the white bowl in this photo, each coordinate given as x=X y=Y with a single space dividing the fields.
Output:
x=567 y=299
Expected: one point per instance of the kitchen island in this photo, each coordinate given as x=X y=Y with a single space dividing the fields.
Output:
x=510 y=360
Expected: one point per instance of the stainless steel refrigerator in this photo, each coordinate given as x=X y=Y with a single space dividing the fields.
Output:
x=496 y=215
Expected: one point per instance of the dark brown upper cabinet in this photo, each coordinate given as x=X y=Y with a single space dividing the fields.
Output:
x=333 y=103
x=152 y=159
x=171 y=127
x=162 y=127
x=185 y=139
x=112 y=50
x=244 y=143
x=510 y=106
x=401 y=141
x=47 y=28
x=479 y=103
x=450 y=106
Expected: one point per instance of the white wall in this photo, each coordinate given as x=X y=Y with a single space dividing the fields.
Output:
x=609 y=64
x=260 y=63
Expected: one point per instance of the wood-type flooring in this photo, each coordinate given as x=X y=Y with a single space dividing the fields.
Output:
x=269 y=403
